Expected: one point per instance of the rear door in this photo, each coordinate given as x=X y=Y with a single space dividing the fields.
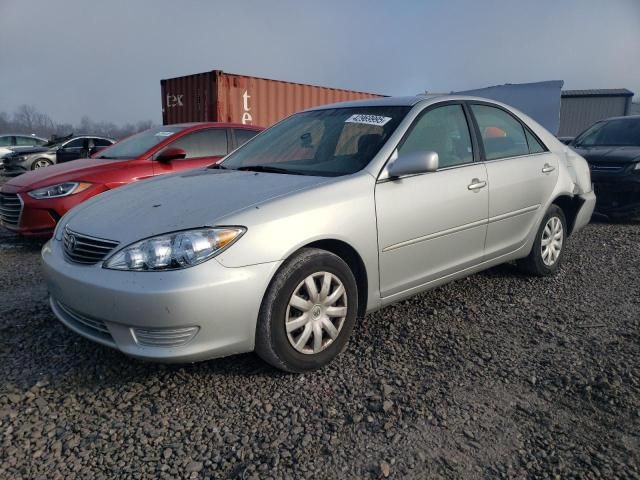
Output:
x=522 y=174
x=203 y=147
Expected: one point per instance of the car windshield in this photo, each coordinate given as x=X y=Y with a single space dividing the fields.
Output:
x=619 y=132
x=137 y=144
x=328 y=143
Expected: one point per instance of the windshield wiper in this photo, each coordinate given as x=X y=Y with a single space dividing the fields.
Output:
x=217 y=166
x=268 y=169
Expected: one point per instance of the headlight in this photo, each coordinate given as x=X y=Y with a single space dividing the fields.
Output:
x=59 y=190
x=175 y=250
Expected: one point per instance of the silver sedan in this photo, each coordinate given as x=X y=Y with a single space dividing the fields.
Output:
x=328 y=215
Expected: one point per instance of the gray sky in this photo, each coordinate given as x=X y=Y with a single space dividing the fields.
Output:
x=106 y=58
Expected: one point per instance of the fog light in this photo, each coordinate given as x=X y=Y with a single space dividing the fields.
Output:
x=164 y=337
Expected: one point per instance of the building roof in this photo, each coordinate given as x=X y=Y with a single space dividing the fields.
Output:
x=598 y=92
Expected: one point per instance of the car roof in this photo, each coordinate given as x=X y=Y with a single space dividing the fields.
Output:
x=375 y=102
x=623 y=117
x=402 y=101
x=28 y=135
x=89 y=136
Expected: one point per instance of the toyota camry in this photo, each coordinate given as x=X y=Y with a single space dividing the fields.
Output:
x=332 y=213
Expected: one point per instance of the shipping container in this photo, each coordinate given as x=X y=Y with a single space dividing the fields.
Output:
x=224 y=97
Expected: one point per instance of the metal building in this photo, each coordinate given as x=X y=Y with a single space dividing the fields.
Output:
x=580 y=109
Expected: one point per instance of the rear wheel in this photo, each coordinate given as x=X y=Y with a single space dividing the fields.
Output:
x=548 y=247
x=41 y=163
x=308 y=312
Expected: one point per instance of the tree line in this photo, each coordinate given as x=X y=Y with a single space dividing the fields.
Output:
x=28 y=120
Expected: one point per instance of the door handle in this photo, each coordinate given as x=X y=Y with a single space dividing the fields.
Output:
x=476 y=184
x=547 y=168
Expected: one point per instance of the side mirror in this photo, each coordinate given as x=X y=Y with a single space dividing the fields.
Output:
x=171 y=153
x=413 y=163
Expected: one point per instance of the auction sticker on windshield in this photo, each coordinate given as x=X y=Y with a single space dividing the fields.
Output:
x=378 y=120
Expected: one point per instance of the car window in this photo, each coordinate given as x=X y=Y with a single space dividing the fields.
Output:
x=5 y=141
x=502 y=135
x=316 y=142
x=307 y=138
x=75 y=143
x=139 y=143
x=243 y=136
x=534 y=145
x=26 y=141
x=354 y=136
x=443 y=130
x=101 y=142
x=612 y=133
x=204 y=143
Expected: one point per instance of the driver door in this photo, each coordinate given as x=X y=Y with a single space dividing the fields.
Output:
x=433 y=224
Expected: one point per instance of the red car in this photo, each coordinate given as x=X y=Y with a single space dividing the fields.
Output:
x=31 y=204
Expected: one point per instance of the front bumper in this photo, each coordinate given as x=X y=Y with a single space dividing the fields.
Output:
x=38 y=218
x=618 y=195
x=14 y=167
x=107 y=306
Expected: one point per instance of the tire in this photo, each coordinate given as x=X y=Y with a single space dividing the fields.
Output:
x=536 y=263
x=274 y=344
x=41 y=163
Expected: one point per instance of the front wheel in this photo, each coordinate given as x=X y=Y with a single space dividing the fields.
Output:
x=548 y=247
x=308 y=312
x=41 y=163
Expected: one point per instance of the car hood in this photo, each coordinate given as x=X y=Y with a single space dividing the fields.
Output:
x=169 y=203
x=606 y=154
x=63 y=172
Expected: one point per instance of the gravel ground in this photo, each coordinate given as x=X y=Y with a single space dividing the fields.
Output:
x=495 y=376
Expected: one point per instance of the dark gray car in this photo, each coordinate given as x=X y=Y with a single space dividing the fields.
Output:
x=612 y=149
x=54 y=151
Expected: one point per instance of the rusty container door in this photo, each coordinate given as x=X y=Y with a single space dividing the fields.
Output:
x=188 y=99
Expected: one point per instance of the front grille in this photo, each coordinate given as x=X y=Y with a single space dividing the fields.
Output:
x=164 y=337
x=10 y=209
x=91 y=326
x=84 y=249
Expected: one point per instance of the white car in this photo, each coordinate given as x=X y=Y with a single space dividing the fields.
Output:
x=327 y=215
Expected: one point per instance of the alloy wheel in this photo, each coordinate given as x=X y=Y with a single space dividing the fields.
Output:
x=316 y=312
x=40 y=164
x=552 y=238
